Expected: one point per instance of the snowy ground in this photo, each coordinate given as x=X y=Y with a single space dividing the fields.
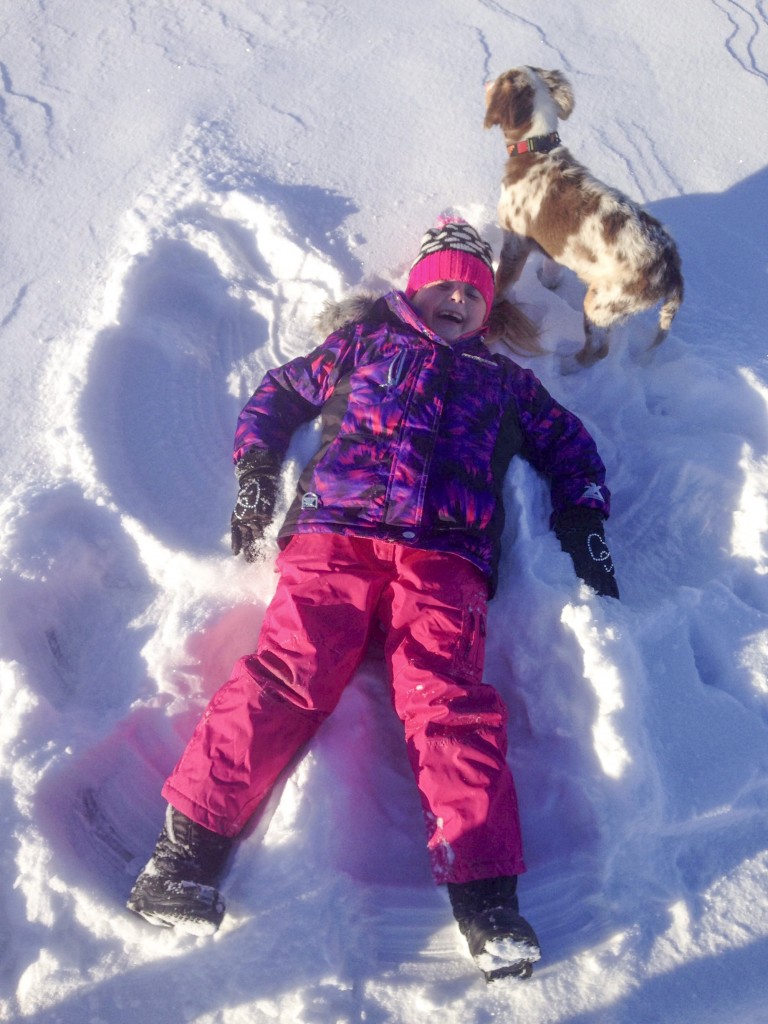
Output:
x=185 y=184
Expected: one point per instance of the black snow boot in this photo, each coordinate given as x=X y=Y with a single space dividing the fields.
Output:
x=177 y=888
x=501 y=942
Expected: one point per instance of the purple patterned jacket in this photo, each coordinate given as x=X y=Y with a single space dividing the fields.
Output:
x=416 y=436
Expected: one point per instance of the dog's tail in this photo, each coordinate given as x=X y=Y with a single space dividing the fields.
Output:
x=672 y=302
x=508 y=323
x=669 y=277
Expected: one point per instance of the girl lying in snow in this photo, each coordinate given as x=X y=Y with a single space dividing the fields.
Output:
x=397 y=521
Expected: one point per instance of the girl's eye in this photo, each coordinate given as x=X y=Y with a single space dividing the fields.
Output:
x=472 y=293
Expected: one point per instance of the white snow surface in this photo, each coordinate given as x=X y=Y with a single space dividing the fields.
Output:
x=185 y=184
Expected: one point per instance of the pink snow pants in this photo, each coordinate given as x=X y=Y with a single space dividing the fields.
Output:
x=333 y=590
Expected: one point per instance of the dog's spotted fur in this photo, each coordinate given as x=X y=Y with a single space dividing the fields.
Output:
x=549 y=201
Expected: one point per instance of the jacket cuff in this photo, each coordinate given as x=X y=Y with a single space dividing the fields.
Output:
x=257 y=461
x=577 y=516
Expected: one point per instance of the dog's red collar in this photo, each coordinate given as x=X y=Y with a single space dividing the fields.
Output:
x=536 y=144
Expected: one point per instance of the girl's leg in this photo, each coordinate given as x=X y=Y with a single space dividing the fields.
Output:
x=455 y=725
x=313 y=638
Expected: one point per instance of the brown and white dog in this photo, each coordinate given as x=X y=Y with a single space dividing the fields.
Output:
x=551 y=202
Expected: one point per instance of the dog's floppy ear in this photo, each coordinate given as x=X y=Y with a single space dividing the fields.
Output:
x=561 y=90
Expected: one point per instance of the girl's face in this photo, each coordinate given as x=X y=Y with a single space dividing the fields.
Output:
x=450 y=308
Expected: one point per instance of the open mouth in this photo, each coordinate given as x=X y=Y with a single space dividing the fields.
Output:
x=451 y=316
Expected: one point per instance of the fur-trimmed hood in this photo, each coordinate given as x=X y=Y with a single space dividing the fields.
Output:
x=507 y=322
x=350 y=309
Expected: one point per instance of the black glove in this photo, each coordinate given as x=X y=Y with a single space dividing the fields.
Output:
x=580 y=532
x=257 y=477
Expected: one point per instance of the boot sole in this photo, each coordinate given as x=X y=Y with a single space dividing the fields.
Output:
x=506 y=957
x=186 y=906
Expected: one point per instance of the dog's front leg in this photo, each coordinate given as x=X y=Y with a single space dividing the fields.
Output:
x=514 y=252
x=596 y=343
x=550 y=273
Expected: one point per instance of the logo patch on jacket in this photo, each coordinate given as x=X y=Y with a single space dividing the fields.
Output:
x=593 y=491
x=310 y=500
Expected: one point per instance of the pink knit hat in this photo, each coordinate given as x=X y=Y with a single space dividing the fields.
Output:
x=453 y=251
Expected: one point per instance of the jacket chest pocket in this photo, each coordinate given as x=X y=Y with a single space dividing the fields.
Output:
x=373 y=383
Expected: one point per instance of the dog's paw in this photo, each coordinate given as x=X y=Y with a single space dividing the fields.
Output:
x=569 y=364
x=582 y=358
